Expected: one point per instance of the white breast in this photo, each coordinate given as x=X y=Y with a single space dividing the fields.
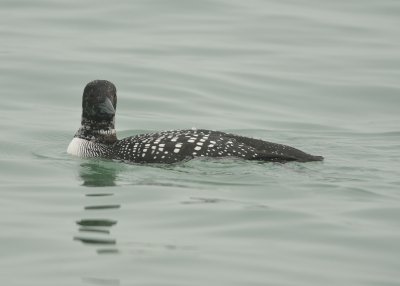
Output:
x=77 y=146
x=86 y=149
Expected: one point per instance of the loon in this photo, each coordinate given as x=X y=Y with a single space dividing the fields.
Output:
x=97 y=138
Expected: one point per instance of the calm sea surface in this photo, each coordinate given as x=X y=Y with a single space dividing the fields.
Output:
x=322 y=76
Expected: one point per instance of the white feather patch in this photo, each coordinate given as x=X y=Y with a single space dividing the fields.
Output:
x=82 y=148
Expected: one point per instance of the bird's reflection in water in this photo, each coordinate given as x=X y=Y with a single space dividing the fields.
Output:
x=98 y=174
x=95 y=230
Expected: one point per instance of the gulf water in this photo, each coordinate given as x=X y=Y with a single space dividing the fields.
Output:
x=322 y=76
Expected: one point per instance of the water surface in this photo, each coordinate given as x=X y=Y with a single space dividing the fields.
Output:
x=321 y=76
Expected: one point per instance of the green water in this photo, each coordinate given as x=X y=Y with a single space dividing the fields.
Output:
x=321 y=76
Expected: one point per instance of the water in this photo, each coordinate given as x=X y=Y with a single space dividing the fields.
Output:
x=321 y=76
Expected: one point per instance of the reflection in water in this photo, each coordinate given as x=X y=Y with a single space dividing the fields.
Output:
x=100 y=207
x=96 y=240
x=97 y=231
x=89 y=229
x=95 y=174
x=96 y=222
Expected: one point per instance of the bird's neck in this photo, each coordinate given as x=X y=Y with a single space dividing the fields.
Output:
x=97 y=131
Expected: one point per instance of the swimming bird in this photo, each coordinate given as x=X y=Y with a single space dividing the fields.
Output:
x=97 y=138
